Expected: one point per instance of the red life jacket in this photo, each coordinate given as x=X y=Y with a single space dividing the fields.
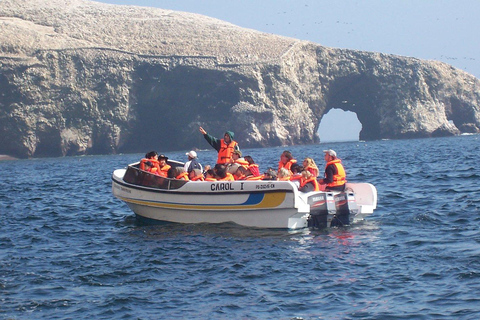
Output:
x=339 y=179
x=254 y=169
x=226 y=151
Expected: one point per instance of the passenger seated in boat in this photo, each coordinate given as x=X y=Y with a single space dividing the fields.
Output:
x=335 y=176
x=283 y=175
x=242 y=174
x=192 y=162
x=164 y=167
x=309 y=165
x=238 y=159
x=196 y=175
x=149 y=167
x=286 y=160
x=252 y=166
x=296 y=173
x=152 y=157
x=210 y=175
x=177 y=173
x=222 y=174
x=308 y=182
x=232 y=167
x=270 y=174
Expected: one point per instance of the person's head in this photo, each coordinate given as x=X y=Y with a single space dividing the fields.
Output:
x=309 y=162
x=296 y=168
x=210 y=173
x=283 y=173
x=286 y=156
x=148 y=165
x=151 y=155
x=228 y=137
x=330 y=155
x=237 y=154
x=270 y=174
x=220 y=170
x=162 y=159
x=249 y=159
x=194 y=173
x=191 y=155
x=241 y=172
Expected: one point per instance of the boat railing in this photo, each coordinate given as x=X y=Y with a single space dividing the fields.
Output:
x=136 y=176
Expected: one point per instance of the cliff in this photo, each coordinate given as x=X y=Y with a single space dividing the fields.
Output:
x=80 y=77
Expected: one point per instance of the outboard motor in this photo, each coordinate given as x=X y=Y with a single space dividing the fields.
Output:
x=342 y=215
x=321 y=206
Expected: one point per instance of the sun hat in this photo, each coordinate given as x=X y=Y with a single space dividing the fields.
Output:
x=191 y=154
x=330 y=152
x=162 y=156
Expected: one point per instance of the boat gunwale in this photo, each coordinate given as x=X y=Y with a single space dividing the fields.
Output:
x=180 y=192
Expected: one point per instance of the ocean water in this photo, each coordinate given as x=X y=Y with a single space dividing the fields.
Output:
x=70 y=250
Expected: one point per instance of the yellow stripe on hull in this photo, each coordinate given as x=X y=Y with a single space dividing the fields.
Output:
x=270 y=200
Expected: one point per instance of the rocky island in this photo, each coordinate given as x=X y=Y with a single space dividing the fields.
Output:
x=81 y=77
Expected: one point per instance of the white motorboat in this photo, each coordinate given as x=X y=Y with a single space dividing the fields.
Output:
x=261 y=203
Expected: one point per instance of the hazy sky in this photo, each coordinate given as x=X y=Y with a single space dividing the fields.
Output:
x=444 y=30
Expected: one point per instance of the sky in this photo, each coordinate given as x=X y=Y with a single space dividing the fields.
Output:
x=443 y=30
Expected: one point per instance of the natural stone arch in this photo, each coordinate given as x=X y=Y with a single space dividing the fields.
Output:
x=358 y=94
x=329 y=124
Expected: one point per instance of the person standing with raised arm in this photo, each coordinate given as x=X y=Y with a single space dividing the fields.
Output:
x=224 y=147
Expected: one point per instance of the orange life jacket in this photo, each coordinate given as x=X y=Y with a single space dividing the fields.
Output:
x=226 y=151
x=182 y=176
x=210 y=179
x=296 y=177
x=312 y=180
x=228 y=177
x=339 y=179
x=243 y=163
x=153 y=161
x=260 y=177
x=198 y=178
x=284 y=179
x=242 y=177
x=163 y=171
x=287 y=165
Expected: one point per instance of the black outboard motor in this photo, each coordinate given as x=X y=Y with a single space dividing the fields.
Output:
x=342 y=215
x=322 y=206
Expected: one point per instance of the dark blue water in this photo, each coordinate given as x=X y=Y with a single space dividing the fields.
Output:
x=69 y=250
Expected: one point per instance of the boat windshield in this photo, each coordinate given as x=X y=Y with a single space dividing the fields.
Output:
x=139 y=177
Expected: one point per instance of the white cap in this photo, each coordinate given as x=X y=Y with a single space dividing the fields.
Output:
x=191 y=154
x=330 y=152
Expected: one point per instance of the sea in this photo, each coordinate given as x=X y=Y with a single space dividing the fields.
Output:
x=70 y=250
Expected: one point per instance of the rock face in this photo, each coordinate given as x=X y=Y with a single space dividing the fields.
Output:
x=81 y=77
